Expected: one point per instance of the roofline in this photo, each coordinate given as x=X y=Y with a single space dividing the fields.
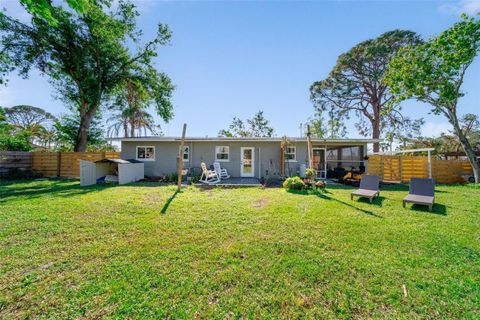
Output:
x=225 y=139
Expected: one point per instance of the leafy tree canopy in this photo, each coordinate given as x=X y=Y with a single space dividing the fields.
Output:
x=25 y=116
x=87 y=56
x=43 y=8
x=433 y=72
x=356 y=84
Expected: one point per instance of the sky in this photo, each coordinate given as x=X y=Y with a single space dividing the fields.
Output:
x=233 y=58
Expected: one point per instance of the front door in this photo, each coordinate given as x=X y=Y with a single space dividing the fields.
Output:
x=319 y=162
x=247 y=167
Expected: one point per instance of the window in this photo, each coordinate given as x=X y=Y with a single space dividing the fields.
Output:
x=186 y=153
x=146 y=153
x=222 y=153
x=291 y=154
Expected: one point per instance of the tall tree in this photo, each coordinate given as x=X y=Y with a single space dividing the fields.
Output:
x=356 y=84
x=258 y=126
x=86 y=57
x=434 y=71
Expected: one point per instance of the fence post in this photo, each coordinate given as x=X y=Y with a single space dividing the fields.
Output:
x=59 y=163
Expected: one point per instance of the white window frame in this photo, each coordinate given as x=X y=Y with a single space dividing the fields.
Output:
x=186 y=153
x=294 y=154
x=217 y=152
x=145 y=159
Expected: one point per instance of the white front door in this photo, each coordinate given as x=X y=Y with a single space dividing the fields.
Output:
x=247 y=162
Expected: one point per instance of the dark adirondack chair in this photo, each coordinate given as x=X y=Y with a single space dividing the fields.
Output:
x=422 y=191
x=369 y=188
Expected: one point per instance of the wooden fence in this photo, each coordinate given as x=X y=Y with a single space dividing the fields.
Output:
x=65 y=164
x=13 y=160
x=49 y=164
x=402 y=168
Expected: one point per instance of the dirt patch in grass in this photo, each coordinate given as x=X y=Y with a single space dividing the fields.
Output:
x=260 y=203
x=153 y=198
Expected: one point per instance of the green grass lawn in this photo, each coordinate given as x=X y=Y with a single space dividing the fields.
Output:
x=128 y=252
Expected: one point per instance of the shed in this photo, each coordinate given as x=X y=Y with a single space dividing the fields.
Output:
x=111 y=170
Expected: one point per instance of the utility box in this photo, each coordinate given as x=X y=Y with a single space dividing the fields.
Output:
x=111 y=170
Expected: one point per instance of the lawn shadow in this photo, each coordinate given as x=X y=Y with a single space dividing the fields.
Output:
x=377 y=201
x=169 y=201
x=325 y=195
x=438 y=208
x=62 y=188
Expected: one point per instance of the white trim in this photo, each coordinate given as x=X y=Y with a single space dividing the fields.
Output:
x=253 y=162
x=228 y=153
x=145 y=159
x=219 y=139
x=188 y=154
x=322 y=173
x=294 y=153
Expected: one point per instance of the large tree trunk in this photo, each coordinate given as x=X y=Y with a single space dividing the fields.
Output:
x=467 y=147
x=82 y=135
x=376 y=134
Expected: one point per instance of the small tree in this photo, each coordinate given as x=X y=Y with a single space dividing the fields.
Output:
x=12 y=139
x=329 y=127
x=356 y=84
x=258 y=126
x=433 y=73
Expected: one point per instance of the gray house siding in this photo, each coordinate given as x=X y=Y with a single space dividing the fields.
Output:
x=266 y=157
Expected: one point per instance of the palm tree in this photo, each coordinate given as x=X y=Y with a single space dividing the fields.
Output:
x=131 y=116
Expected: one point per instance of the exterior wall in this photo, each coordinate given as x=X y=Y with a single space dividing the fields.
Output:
x=165 y=156
x=267 y=156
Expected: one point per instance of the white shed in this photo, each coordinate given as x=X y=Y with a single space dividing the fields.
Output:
x=111 y=170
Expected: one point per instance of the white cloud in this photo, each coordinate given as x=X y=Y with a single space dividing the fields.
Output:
x=470 y=7
x=434 y=129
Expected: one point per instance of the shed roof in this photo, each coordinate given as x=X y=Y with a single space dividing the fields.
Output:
x=110 y=160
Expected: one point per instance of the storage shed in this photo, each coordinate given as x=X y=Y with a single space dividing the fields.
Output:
x=111 y=170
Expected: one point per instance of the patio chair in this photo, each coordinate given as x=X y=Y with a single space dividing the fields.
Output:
x=208 y=176
x=222 y=172
x=422 y=191
x=369 y=188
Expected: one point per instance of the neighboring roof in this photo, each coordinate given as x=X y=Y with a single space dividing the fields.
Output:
x=273 y=139
x=109 y=160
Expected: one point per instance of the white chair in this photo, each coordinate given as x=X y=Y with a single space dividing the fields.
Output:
x=208 y=176
x=222 y=172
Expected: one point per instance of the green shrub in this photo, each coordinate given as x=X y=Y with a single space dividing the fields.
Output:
x=294 y=183
x=311 y=173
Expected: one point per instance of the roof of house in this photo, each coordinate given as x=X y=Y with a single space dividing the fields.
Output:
x=269 y=139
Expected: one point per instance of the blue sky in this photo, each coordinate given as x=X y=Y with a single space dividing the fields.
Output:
x=231 y=59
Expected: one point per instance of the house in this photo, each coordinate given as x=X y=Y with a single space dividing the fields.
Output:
x=246 y=157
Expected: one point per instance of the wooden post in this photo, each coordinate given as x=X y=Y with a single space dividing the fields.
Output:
x=59 y=163
x=180 y=156
x=282 y=156
x=309 y=147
